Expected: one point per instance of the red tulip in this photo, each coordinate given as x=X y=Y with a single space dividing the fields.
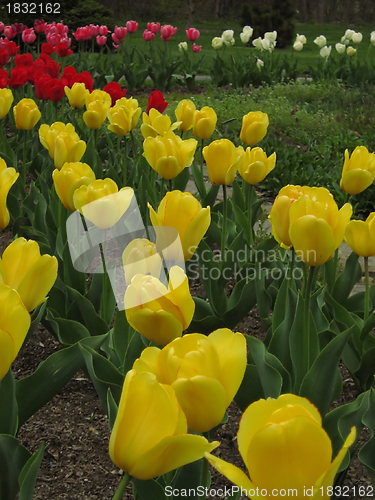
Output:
x=24 y=60
x=3 y=78
x=120 y=33
x=148 y=35
x=69 y=74
x=153 y=27
x=12 y=48
x=192 y=34
x=18 y=28
x=39 y=26
x=82 y=34
x=114 y=90
x=4 y=57
x=53 y=39
x=131 y=26
x=103 y=30
x=9 y=33
x=156 y=100
x=47 y=49
x=55 y=90
x=18 y=77
x=83 y=77
x=101 y=40
x=28 y=35
x=1 y=27
x=197 y=48
x=62 y=50
x=93 y=30
x=167 y=31
x=41 y=87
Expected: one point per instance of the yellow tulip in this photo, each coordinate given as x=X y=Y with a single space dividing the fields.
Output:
x=124 y=116
x=141 y=257
x=14 y=324
x=222 y=160
x=62 y=142
x=96 y=113
x=285 y=448
x=169 y=154
x=149 y=437
x=76 y=95
x=358 y=171
x=256 y=166
x=360 y=236
x=97 y=95
x=32 y=275
x=26 y=114
x=185 y=112
x=6 y=100
x=183 y=212
x=158 y=313
x=69 y=178
x=8 y=177
x=155 y=124
x=204 y=122
x=102 y=203
x=254 y=127
x=205 y=372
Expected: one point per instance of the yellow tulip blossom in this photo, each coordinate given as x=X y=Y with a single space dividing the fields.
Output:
x=158 y=313
x=256 y=166
x=204 y=122
x=254 y=127
x=205 y=372
x=360 y=236
x=358 y=172
x=14 y=324
x=8 y=177
x=6 y=100
x=32 y=275
x=124 y=116
x=26 y=114
x=185 y=112
x=62 y=142
x=102 y=203
x=222 y=160
x=149 y=437
x=76 y=95
x=71 y=176
x=155 y=124
x=169 y=154
x=96 y=113
x=97 y=95
x=141 y=257
x=183 y=212
x=285 y=448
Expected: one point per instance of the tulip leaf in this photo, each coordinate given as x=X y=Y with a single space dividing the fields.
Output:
x=95 y=290
x=229 y=264
x=8 y=403
x=27 y=478
x=72 y=277
x=368 y=326
x=121 y=335
x=241 y=301
x=366 y=371
x=329 y=270
x=36 y=317
x=206 y=325
x=271 y=380
x=320 y=383
x=94 y=323
x=112 y=409
x=67 y=331
x=103 y=374
x=367 y=453
x=237 y=196
x=51 y=376
x=13 y=458
x=317 y=303
x=198 y=179
x=210 y=198
x=347 y=279
x=134 y=351
x=145 y=490
x=188 y=476
x=264 y=300
x=250 y=389
x=202 y=309
x=181 y=180
x=240 y=217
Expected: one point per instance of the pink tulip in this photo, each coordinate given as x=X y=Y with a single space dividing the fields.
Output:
x=148 y=35
x=9 y=33
x=120 y=33
x=192 y=34
x=167 y=31
x=93 y=30
x=28 y=35
x=196 y=48
x=101 y=40
x=82 y=34
x=62 y=29
x=153 y=27
x=67 y=42
x=131 y=26
x=53 y=39
x=1 y=27
x=103 y=30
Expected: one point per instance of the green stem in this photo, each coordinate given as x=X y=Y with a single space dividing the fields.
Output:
x=250 y=215
x=162 y=185
x=122 y=487
x=224 y=228
x=367 y=290
x=125 y=176
x=23 y=173
x=292 y=262
x=202 y=158
x=103 y=306
x=170 y=184
x=306 y=319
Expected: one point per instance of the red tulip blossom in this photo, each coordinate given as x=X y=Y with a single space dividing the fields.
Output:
x=18 y=28
x=153 y=27
x=83 y=77
x=101 y=40
x=18 y=77
x=197 y=48
x=131 y=26
x=192 y=34
x=12 y=48
x=4 y=57
x=41 y=87
x=62 y=50
x=103 y=30
x=55 y=90
x=3 y=78
x=93 y=30
x=47 y=48
x=24 y=60
x=148 y=35
x=28 y=35
x=1 y=27
x=156 y=100
x=39 y=26
x=53 y=39
x=114 y=90
x=119 y=34
x=167 y=31
x=82 y=34
x=9 y=33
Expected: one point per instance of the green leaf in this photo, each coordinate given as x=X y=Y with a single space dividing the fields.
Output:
x=347 y=279
x=112 y=409
x=72 y=277
x=210 y=198
x=134 y=351
x=241 y=219
x=8 y=403
x=27 y=478
x=36 y=317
x=241 y=301
x=188 y=476
x=67 y=331
x=367 y=453
x=181 y=180
x=148 y=489
x=250 y=389
x=121 y=335
x=264 y=300
x=13 y=457
x=94 y=323
x=198 y=179
x=366 y=371
x=271 y=379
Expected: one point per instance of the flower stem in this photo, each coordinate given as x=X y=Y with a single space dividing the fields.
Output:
x=125 y=176
x=23 y=174
x=170 y=184
x=103 y=304
x=367 y=290
x=202 y=158
x=306 y=319
x=224 y=228
x=250 y=215
x=122 y=487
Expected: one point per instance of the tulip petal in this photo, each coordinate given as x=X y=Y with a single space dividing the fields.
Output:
x=6 y=353
x=357 y=236
x=18 y=258
x=171 y=453
x=279 y=218
x=159 y=327
x=168 y=168
x=344 y=215
x=356 y=181
x=180 y=294
x=195 y=232
x=203 y=400
x=234 y=474
x=148 y=362
x=313 y=240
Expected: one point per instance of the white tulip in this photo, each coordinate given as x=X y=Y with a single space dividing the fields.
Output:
x=357 y=37
x=244 y=37
x=257 y=43
x=266 y=44
x=351 y=51
x=298 y=46
x=260 y=64
x=217 y=42
x=301 y=38
x=271 y=36
x=248 y=30
x=344 y=40
x=320 y=41
x=340 y=47
x=227 y=35
x=183 y=47
x=372 y=37
x=230 y=42
x=348 y=34
x=325 y=51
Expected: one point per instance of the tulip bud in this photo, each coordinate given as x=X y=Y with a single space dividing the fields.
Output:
x=124 y=116
x=8 y=177
x=71 y=176
x=6 y=100
x=204 y=122
x=357 y=38
x=358 y=172
x=360 y=236
x=96 y=113
x=340 y=48
x=244 y=38
x=351 y=51
x=325 y=52
x=183 y=47
x=298 y=46
x=256 y=166
x=222 y=160
x=62 y=142
x=26 y=114
x=141 y=257
x=155 y=124
x=217 y=42
x=254 y=127
x=185 y=114
x=320 y=41
x=76 y=95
